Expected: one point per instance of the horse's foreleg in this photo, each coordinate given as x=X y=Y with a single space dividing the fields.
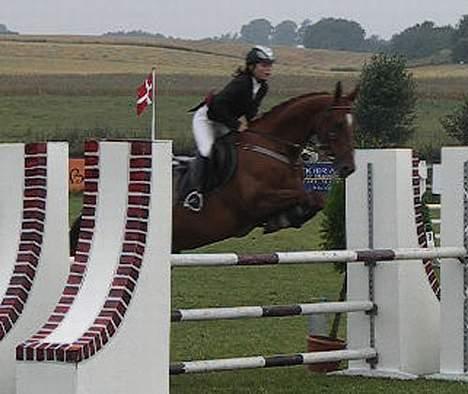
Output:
x=279 y=200
x=297 y=209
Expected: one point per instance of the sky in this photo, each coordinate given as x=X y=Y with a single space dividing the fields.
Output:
x=208 y=18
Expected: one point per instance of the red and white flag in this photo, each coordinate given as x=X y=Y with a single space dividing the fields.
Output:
x=145 y=94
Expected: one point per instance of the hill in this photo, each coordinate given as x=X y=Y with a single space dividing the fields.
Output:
x=97 y=64
x=88 y=54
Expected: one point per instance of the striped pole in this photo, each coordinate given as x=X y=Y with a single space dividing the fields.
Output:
x=269 y=311
x=269 y=362
x=314 y=257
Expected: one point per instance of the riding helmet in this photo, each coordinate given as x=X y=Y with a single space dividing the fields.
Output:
x=260 y=54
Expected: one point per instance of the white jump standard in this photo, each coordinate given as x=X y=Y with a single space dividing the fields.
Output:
x=116 y=303
x=33 y=241
x=454 y=275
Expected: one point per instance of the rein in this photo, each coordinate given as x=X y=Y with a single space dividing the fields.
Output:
x=267 y=152
x=270 y=153
x=275 y=139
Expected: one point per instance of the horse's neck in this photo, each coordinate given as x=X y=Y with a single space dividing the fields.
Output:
x=295 y=127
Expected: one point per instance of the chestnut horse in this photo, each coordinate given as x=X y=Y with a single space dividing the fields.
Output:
x=269 y=176
x=268 y=180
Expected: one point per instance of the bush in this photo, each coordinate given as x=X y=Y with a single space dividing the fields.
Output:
x=333 y=225
x=456 y=123
x=385 y=110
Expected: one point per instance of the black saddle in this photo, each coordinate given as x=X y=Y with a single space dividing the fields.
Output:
x=222 y=166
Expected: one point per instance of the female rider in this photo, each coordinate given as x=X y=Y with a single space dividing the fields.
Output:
x=229 y=110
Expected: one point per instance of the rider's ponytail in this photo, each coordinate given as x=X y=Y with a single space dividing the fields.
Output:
x=244 y=70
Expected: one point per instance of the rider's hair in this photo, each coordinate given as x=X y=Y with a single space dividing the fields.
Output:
x=244 y=70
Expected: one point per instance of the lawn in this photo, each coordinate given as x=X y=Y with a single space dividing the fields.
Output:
x=75 y=118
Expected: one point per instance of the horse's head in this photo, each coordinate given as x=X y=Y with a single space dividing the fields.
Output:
x=327 y=117
x=335 y=131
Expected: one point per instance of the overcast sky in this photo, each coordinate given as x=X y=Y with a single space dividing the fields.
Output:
x=208 y=18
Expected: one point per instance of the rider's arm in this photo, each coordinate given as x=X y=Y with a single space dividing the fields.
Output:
x=220 y=109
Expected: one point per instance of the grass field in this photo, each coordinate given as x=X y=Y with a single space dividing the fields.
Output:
x=76 y=87
x=75 y=118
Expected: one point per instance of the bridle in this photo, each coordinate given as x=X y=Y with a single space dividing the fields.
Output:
x=294 y=147
x=325 y=148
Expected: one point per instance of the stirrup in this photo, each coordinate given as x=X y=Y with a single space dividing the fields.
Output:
x=194 y=201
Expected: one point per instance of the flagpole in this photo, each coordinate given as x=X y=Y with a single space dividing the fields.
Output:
x=153 y=99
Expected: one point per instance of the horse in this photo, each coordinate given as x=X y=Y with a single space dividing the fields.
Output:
x=269 y=176
x=268 y=179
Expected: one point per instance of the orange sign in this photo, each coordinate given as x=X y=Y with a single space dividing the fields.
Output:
x=76 y=175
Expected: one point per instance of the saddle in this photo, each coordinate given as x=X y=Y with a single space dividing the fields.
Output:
x=223 y=165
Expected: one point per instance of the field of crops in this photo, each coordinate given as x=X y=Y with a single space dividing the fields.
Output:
x=72 y=88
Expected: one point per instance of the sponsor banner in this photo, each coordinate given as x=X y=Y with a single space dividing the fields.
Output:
x=318 y=176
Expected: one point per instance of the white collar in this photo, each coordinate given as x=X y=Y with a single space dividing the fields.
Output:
x=255 y=86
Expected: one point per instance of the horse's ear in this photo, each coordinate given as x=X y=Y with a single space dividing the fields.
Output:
x=338 y=90
x=352 y=96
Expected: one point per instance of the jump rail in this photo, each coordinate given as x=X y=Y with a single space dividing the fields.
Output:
x=232 y=259
x=268 y=362
x=269 y=311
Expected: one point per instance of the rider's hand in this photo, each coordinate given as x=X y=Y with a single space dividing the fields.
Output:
x=242 y=127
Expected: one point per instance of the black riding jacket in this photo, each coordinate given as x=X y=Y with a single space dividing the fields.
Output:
x=236 y=100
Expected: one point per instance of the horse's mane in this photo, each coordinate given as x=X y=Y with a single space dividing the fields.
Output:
x=279 y=107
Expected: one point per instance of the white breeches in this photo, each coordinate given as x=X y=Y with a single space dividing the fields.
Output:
x=206 y=131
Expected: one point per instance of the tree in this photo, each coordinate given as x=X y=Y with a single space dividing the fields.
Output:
x=422 y=40
x=333 y=232
x=331 y=33
x=460 y=41
x=301 y=31
x=285 y=33
x=4 y=30
x=456 y=123
x=257 y=31
x=375 y=44
x=386 y=103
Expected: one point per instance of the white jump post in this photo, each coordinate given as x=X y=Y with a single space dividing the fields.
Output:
x=110 y=330
x=33 y=243
x=380 y=214
x=454 y=274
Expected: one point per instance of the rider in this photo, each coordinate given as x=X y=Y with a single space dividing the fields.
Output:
x=229 y=110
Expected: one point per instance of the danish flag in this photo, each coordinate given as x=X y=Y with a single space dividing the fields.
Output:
x=144 y=94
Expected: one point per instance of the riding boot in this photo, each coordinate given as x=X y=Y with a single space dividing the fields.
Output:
x=194 y=200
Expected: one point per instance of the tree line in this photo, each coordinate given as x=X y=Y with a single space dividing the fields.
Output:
x=423 y=40
x=444 y=43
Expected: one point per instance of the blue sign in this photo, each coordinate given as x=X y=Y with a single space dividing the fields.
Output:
x=318 y=177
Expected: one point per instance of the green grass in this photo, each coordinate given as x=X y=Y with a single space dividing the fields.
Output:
x=429 y=131
x=75 y=118
x=298 y=380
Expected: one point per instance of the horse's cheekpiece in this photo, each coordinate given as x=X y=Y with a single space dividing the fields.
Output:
x=194 y=201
